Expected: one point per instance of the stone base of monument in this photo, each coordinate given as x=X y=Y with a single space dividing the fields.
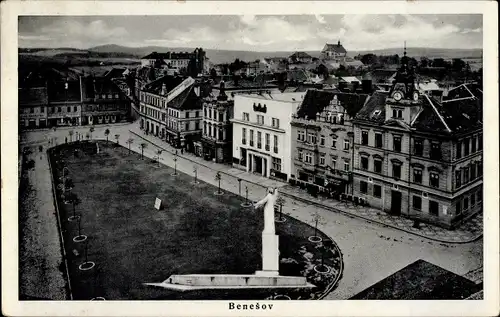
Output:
x=190 y=282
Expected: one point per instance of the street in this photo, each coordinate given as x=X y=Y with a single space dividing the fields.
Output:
x=371 y=252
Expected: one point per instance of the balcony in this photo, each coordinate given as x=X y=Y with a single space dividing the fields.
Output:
x=308 y=146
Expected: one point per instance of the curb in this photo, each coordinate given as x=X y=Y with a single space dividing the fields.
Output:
x=320 y=205
x=61 y=237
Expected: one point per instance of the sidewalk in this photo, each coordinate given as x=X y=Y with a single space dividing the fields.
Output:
x=469 y=232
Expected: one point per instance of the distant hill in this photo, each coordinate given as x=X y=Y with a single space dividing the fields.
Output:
x=227 y=56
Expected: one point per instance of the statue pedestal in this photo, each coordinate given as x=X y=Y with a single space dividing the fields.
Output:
x=270 y=255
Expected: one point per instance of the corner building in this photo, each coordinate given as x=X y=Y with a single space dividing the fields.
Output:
x=417 y=157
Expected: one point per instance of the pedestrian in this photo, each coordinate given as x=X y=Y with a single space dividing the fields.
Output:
x=66 y=140
x=182 y=151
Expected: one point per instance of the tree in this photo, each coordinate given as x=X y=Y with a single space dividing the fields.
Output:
x=117 y=137
x=143 y=146
x=213 y=73
x=129 y=142
x=106 y=133
x=71 y=132
x=369 y=59
x=92 y=129
x=458 y=64
x=280 y=202
x=218 y=177
x=424 y=62
x=75 y=201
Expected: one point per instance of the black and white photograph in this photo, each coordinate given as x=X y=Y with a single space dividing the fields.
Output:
x=255 y=159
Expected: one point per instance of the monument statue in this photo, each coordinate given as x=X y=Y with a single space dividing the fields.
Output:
x=270 y=249
x=268 y=204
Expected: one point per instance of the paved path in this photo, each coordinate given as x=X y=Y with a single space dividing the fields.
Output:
x=40 y=260
x=371 y=251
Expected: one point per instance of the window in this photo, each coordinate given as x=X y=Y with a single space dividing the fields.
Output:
x=377 y=165
x=433 y=208
x=466 y=175
x=32 y=110
x=466 y=203
x=396 y=143
x=472 y=172
x=473 y=145
x=459 y=207
x=308 y=157
x=417 y=175
x=204 y=111
x=480 y=142
x=197 y=113
x=210 y=113
x=275 y=150
x=75 y=109
x=364 y=137
x=187 y=114
x=377 y=191
x=363 y=187
x=246 y=116
x=268 y=141
x=301 y=155
x=276 y=123
x=251 y=137
x=52 y=109
x=459 y=150
x=346 y=145
x=186 y=126
x=419 y=147
x=397 y=113
x=260 y=119
x=458 y=179
x=334 y=163
x=221 y=116
x=322 y=140
x=364 y=163
x=197 y=125
x=322 y=160
x=42 y=109
x=479 y=169
x=259 y=139
x=276 y=164
x=417 y=202
x=301 y=135
x=466 y=147
x=378 y=140
x=479 y=195
x=221 y=133
x=396 y=170
x=472 y=200
x=59 y=109
x=347 y=166
x=434 y=179
x=116 y=96
x=311 y=138
x=334 y=144
x=435 y=151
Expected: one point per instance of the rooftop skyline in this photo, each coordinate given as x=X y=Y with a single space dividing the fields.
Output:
x=254 y=33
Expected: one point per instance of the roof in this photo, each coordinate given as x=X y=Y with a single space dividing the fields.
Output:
x=299 y=75
x=315 y=101
x=146 y=73
x=156 y=85
x=421 y=280
x=334 y=48
x=115 y=73
x=186 y=100
x=380 y=75
x=93 y=87
x=465 y=91
x=33 y=96
x=350 y=79
x=300 y=55
x=64 y=91
x=291 y=97
x=243 y=83
x=169 y=55
x=374 y=108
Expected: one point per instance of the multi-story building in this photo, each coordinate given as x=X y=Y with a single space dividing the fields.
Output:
x=261 y=133
x=322 y=140
x=65 y=102
x=334 y=52
x=417 y=157
x=103 y=101
x=33 y=103
x=171 y=109
x=178 y=61
x=216 y=142
x=300 y=57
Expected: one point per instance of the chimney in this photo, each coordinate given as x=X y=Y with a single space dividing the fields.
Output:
x=367 y=86
x=339 y=43
x=197 y=90
x=163 y=89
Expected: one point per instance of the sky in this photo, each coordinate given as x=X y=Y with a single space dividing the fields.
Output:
x=254 y=33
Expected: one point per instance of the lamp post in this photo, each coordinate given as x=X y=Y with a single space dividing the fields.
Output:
x=175 y=164
x=239 y=186
x=64 y=178
x=195 y=170
x=246 y=195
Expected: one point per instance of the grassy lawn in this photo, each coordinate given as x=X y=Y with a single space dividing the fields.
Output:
x=196 y=232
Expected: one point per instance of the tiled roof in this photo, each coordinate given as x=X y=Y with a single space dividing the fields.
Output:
x=335 y=48
x=186 y=100
x=94 y=87
x=380 y=75
x=297 y=75
x=170 y=83
x=114 y=73
x=33 y=96
x=317 y=100
x=465 y=91
x=57 y=91
x=374 y=109
x=146 y=73
x=421 y=280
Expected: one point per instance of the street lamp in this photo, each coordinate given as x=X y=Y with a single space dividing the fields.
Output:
x=195 y=170
x=64 y=178
x=175 y=164
x=239 y=186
